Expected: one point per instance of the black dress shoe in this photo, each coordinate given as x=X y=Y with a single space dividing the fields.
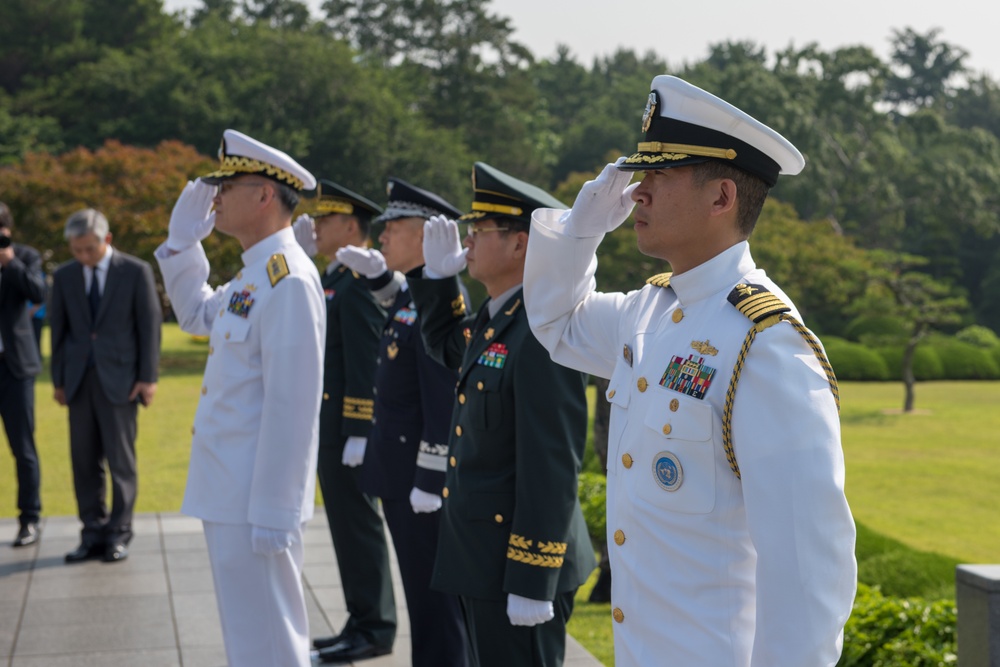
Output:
x=85 y=552
x=327 y=642
x=352 y=649
x=115 y=552
x=28 y=534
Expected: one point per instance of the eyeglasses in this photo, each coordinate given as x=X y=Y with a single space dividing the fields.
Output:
x=472 y=232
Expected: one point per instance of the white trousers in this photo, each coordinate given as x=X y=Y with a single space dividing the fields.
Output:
x=261 y=602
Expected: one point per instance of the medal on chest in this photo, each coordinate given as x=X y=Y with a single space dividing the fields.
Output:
x=495 y=356
x=241 y=302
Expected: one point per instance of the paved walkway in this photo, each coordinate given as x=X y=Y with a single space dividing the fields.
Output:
x=156 y=609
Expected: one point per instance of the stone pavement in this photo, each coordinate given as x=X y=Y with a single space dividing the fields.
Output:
x=156 y=609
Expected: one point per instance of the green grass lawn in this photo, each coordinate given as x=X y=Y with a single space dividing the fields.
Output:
x=923 y=487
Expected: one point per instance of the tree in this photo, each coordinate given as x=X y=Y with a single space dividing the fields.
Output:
x=924 y=303
x=925 y=68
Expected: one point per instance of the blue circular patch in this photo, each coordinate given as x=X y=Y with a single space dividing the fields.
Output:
x=667 y=471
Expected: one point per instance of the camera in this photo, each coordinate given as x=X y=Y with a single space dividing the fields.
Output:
x=4 y=241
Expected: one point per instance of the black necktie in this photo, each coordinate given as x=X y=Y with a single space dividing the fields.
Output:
x=95 y=294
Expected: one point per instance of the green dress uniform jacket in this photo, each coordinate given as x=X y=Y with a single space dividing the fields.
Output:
x=511 y=520
x=353 y=326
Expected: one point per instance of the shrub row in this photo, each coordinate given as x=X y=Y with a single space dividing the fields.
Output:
x=938 y=358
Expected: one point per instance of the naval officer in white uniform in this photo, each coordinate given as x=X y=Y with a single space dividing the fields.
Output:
x=254 y=441
x=730 y=537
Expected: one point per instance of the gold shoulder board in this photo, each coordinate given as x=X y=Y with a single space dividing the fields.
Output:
x=659 y=280
x=756 y=302
x=277 y=268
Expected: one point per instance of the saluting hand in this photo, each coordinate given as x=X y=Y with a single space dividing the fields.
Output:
x=444 y=255
x=192 y=218
x=304 y=229
x=602 y=205
x=366 y=261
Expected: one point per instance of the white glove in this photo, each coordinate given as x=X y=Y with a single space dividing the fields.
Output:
x=304 y=229
x=368 y=262
x=423 y=502
x=268 y=541
x=525 y=611
x=192 y=218
x=602 y=205
x=444 y=255
x=354 y=451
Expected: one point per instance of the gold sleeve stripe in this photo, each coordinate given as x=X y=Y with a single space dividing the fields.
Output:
x=538 y=560
x=359 y=401
x=519 y=541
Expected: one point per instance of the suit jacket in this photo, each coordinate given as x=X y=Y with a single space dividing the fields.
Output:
x=353 y=323
x=21 y=281
x=124 y=338
x=511 y=520
x=409 y=443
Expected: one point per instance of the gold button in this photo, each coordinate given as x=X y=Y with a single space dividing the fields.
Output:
x=627 y=460
x=192 y=430
x=453 y=461
x=444 y=492
x=678 y=315
x=458 y=430
x=619 y=616
x=461 y=399
x=619 y=537
x=239 y=275
x=227 y=335
x=674 y=404
x=667 y=429
x=326 y=396
x=221 y=312
x=211 y=350
x=642 y=384
x=611 y=394
x=479 y=386
x=204 y=390
x=498 y=518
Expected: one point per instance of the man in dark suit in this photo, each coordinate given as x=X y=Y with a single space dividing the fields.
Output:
x=105 y=318
x=513 y=544
x=340 y=217
x=20 y=282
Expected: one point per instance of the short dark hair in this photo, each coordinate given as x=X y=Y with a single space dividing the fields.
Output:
x=515 y=224
x=751 y=191
x=6 y=219
x=287 y=195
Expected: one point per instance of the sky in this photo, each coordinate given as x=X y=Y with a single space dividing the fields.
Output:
x=680 y=32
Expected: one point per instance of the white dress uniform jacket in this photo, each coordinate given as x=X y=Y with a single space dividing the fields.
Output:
x=709 y=569
x=256 y=431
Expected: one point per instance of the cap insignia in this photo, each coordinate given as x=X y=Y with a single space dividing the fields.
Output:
x=647 y=115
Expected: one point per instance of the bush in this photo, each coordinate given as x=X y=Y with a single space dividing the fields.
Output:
x=979 y=336
x=962 y=361
x=881 y=326
x=593 y=494
x=899 y=632
x=853 y=361
x=926 y=363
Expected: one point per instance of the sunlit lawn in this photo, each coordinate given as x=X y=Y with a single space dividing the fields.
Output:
x=930 y=480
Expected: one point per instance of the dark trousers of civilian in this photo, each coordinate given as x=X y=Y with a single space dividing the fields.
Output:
x=437 y=630
x=17 y=409
x=101 y=431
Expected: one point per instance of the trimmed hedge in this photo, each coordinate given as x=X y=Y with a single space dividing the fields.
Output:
x=963 y=361
x=854 y=361
x=926 y=363
x=899 y=632
x=979 y=336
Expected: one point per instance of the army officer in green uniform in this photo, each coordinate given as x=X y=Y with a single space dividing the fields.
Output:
x=513 y=543
x=340 y=217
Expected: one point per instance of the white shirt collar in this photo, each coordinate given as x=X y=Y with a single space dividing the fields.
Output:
x=714 y=275
x=496 y=304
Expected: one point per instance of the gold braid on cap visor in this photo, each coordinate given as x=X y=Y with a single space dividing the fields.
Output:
x=331 y=206
x=234 y=164
x=677 y=152
x=496 y=208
